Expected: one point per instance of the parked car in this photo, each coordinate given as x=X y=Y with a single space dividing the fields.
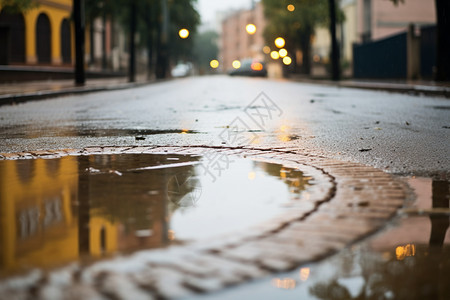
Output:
x=181 y=70
x=250 y=67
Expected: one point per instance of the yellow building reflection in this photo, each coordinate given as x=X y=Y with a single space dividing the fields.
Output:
x=55 y=211
x=36 y=206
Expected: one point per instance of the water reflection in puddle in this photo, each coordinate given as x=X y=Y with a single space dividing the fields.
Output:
x=55 y=211
x=408 y=260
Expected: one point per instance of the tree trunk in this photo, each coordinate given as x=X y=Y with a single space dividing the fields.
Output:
x=132 y=56
x=78 y=14
x=104 y=58
x=162 y=57
x=149 y=22
x=334 y=44
x=305 y=46
x=91 y=41
x=443 y=40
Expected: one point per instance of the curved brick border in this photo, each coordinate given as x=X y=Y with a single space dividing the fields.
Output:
x=351 y=201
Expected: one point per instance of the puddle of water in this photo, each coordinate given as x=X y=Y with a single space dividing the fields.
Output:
x=56 y=211
x=91 y=132
x=408 y=260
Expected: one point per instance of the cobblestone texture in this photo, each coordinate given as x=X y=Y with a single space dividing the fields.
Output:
x=349 y=202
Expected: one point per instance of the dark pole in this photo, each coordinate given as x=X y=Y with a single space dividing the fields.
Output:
x=334 y=45
x=78 y=14
x=162 y=57
x=149 y=21
x=443 y=40
x=104 y=62
x=132 y=62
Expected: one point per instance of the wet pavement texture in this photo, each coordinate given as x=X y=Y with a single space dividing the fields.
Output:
x=347 y=202
x=395 y=132
x=69 y=209
x=409 y=259
x=338 y=131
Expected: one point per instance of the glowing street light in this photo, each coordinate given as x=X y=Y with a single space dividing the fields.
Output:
x=283 y=52
x=214 y=63
x=183 y=33
x=290 y=7
x=287 y=60
x=274 y=55
x=280 y=42
x=250 y=28
x=236 y=64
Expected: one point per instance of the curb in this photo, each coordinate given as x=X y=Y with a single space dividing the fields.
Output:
x=415 y=89
x=352 y=201
x=9 y=99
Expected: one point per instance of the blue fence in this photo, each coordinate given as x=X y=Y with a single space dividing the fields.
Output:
x=427 y=51
x=381 y=59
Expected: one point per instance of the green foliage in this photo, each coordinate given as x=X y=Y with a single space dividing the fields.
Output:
x=205 y=48
x=15 y=6
x=182 y=15
x=290 y=25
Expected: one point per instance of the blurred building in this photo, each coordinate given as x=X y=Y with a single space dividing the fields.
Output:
x=375 y=20
x=235 y=42
x=53 y=213
x=44 y=36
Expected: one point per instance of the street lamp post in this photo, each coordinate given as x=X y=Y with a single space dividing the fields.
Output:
x=78 y=14
x=132 y=57
x=334 y=45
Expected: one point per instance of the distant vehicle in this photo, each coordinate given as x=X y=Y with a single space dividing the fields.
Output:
x=182 y=70
x=250 y=67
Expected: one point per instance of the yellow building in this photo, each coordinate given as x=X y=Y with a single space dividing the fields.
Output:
x=42 y=35
x=39 y=219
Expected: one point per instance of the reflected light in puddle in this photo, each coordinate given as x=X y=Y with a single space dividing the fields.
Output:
x=284 y=128
x=171 y=235
x=284 y=138
x=403 y=251
x=304 y=273
x=285 y=283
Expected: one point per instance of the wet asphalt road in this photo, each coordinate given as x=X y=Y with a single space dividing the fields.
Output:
x=399 y=133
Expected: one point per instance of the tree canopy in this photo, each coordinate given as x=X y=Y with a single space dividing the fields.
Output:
x=14 y=6
x=296 y=23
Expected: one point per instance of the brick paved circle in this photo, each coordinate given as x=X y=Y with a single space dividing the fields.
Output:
x=350 y=201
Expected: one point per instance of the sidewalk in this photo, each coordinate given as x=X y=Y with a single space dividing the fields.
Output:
x=11 y=93
x=419 y=87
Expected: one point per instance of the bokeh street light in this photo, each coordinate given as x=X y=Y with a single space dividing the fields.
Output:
x=214 y=63
x=266 y=49
x=236 y=64
x=280 y=42
x=290 y=7
x=250 y=28
x=287 y=60
x=274 y=55
x=183 y=33
x=283 y=52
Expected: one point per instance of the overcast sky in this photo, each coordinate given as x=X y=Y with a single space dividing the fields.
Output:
x=208 y=8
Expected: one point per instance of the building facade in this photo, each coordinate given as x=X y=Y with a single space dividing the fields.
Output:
x=235 y=42
x=42 y=35
x=371 y=20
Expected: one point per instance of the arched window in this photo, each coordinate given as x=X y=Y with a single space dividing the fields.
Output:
x=12 y=38
x=66 y=46
x=43 y=39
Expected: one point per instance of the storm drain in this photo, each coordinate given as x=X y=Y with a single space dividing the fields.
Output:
x=218 y=216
